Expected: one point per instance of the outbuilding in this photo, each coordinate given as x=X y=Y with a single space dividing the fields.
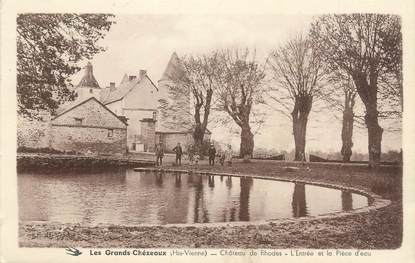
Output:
x=88 y=126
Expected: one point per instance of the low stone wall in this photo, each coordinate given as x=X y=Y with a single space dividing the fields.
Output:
x=52 y=161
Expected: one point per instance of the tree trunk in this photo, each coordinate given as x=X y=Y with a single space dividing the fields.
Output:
x=198 y=136
x=374 y=137
x=347 y=129
x=302 y=108
x=347 y=134
x=247 y=142
x=299 y=129
x=368 y=93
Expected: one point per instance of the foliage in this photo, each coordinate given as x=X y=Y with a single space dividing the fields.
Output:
x=49 y=46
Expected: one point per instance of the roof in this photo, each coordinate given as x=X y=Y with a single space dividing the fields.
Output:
x=70 y=106
x=123 y=89
x=124 y=79
x=104 y=94
x=88 y=80
x=173 y=69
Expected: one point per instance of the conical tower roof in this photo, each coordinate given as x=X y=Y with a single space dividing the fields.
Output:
x=173 y=69
x=88 y=80
x=124 y=79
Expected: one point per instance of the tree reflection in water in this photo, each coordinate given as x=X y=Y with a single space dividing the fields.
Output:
x=211 y=181
x=299 y=204
x=246 y=185
x=201 y=214
x=347 y=201
x=229 y=182
x=158 y=198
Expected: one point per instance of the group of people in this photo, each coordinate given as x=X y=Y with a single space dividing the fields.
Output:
x=225 y=157
x=160 y=154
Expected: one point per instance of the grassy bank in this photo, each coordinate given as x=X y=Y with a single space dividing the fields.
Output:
x=378 y=229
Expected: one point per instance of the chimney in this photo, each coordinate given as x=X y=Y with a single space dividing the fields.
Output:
x=130 y=78
x=112 y=86
x=143 y=73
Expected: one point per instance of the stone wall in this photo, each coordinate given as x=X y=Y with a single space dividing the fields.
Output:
x=89 y=139
x=32 y=133
x=89 y=127
x=70 y=162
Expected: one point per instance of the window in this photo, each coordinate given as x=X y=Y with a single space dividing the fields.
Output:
x=78 y=121
x=110 y=132
x=91 y=91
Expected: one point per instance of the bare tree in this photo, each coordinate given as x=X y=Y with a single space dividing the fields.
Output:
x=239 y=88
x=298 y=76
x=190 y=95
x=368 y=48
x=340 y=95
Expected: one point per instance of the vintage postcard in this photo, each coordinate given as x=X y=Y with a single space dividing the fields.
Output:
x=221 y=131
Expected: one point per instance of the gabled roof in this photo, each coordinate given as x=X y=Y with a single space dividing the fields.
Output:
x=78 y=103
x=88 y=80
x=173 y=69
x=123 y=89
x=104 y=94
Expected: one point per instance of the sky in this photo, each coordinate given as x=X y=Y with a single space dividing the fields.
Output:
x=147 y=41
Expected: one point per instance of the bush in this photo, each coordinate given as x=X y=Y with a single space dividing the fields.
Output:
x=23 y=149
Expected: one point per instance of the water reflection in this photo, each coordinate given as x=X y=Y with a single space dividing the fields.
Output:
x=347 y=200
x=128 y=197
x=246 y=185
x=299 y=203
x=211 y=181
x=200 y=211
x=159 y=178
x=229 y=182
x=178 y=180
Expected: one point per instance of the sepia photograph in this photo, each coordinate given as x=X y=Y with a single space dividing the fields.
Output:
x=273 y=135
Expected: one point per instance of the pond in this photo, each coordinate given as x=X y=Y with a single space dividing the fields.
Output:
x=127 y=197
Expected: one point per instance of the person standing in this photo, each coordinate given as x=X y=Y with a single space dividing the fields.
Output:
x=191 y=153
x=222 y=158
x=179 y=151
x=159 y=154
x=212 y=154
